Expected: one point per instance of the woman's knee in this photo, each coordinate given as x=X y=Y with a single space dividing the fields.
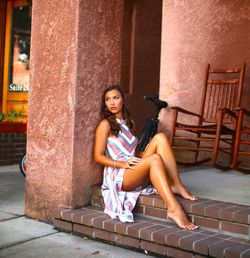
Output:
x=161 y=137
x=156 y=159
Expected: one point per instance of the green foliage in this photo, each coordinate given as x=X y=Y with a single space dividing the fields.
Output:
x=1 y=116
x=11 y=117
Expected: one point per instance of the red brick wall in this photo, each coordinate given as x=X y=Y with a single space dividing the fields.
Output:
x=12 y=147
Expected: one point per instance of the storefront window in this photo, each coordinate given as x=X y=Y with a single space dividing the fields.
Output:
x=20 y=50
x=16 y=58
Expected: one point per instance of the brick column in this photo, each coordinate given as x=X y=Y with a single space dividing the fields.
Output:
x=75 y=53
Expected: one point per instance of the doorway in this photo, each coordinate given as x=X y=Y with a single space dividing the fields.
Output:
x=141 y=51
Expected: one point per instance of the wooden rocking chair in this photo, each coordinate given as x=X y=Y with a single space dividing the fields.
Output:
x=242 y=141
x=221 y=94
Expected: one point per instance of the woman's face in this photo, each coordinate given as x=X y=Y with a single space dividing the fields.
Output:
x=114 y=102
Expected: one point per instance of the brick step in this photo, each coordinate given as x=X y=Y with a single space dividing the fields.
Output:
x=150 y=235
x=214 y=215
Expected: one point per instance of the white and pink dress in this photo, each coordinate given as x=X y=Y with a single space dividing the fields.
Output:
x=118 y=203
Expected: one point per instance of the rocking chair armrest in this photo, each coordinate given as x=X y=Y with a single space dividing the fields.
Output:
x=229 y=112
x=178 y=109
x=245 y=111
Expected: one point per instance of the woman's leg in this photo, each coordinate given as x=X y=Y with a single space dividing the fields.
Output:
x=152 y=167
x=161 y=146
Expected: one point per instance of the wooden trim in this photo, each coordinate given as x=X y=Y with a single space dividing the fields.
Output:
x=17 y=3
x=3 y=5
x=204 y=89
x=6 y=56
x=242 y=76
x=228 y=81
x=236 y=70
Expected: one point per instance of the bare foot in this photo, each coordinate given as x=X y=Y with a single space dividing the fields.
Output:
x=181 y=219
x=181 y=190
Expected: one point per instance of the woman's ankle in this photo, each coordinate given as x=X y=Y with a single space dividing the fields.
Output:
x=175 y=207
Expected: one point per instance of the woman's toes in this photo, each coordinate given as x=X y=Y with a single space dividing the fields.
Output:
x=193 y=198
x=193 y=227
x=181 y=190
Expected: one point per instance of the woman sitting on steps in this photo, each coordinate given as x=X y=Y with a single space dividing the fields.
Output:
x=125 y=175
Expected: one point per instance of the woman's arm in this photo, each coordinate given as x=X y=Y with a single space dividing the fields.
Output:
x=101 y=136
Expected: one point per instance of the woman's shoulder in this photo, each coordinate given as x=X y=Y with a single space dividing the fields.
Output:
x=104 y=125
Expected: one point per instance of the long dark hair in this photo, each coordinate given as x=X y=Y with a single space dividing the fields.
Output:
x=106 y=114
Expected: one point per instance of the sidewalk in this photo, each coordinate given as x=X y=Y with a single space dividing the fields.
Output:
x=22 y=237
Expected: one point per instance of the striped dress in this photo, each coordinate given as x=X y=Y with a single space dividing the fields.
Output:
x=118 y=203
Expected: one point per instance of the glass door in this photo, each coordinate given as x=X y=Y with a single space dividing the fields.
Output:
x=16 y=60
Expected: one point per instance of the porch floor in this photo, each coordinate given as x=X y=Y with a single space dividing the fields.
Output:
x=211 y=183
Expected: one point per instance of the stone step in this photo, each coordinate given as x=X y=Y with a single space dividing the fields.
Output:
x=151 y=235
x=214 y=215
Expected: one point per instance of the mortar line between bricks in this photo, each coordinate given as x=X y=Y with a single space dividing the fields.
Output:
x=82 y=216
x=139 y=235
x=192 y=217
x=126 y=233
x=233 y=222
x=235 y=243
x=152 y=234
x=224 y=250
x=107 y=221
x=231 y=238
x=115 y=229
x=192 y=204
x=208 y=247
x=202 y=202
x=116 y=237
x=205 y=210
x=220 y=210
x=220 y=221
x=25 y=241
x=92 y=220
x=179 y=239
x=61 y=212
x=233 y=234
x=244 y=252
x=165 y=238
x=103 y=224
x=193 y=245
x=234 y=213
x=242 y=208
x=94 y=230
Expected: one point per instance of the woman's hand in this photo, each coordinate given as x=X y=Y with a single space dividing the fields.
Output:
x=132 y=162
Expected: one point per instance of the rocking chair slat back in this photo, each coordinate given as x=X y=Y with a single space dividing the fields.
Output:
x=216 y=128
x=222 y=89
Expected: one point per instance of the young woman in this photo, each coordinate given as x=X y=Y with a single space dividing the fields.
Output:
x=125 y=175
